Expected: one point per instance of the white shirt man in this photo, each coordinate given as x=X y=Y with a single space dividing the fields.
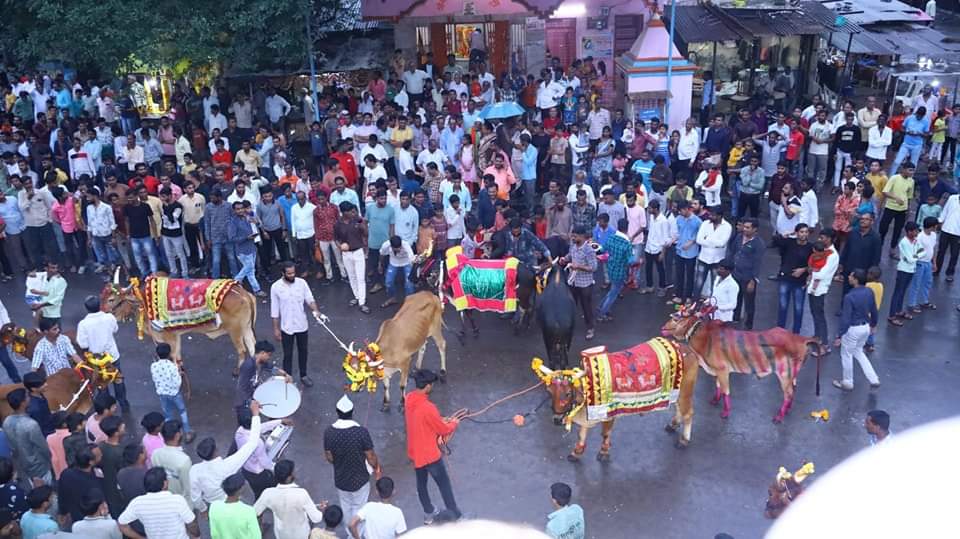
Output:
x=301 y=220
x=809 y=211
x=81 y=163
x=378 y=152
x=413 y=79
x=950 y=217
x=597 y=120
x=243 y=112
x=713 y=239
x=689 y=144
x=216 y=120
x=371 y=175
x=549 y=94
x=929 y=100
x=96 y=333
x=578 y=185
x=276 y=107
x=820 y=279
x=163 y=514
x=381 y=520
x=725 y=292
x=207 y=477
x=293 y=510
x=878 y=141
x=658 y=233
x=432 y=156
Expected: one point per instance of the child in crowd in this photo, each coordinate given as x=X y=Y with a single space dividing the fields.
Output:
x=918 y=297
x=425 y=233
x=795 y=149
x=539 y=222
x=930 y=208
x=439 y=226
x=938 y=135
x=601 y=232
x=875 y=286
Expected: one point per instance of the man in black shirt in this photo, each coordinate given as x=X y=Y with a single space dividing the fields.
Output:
x=12 y=497
x=794 y=253
x=78 y=479
x=848 y=143
x=349 y=448
x=38 y=408
x=255 y=370
x=137 y=215
x=862 y=249
x=174 y=244
x=747 y=250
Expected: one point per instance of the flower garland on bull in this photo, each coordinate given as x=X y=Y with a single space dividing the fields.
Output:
x=574 y=376
x=364 y=368
x=16 y=338
x=101 y=365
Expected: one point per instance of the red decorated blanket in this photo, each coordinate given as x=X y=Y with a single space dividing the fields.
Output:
x=184 y=303
x=637 y=380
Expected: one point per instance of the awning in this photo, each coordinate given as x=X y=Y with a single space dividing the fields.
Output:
x=707 y=22
x=874 y=11
x=898 y=39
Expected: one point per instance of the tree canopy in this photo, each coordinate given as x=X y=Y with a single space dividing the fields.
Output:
x=110 y=35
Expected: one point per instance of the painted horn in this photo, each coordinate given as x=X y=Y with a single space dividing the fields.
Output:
x=545 y=370
x=375 y=364
x=351 y=350
x=116 y=276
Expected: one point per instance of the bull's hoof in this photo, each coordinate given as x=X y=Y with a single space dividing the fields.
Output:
x=385 y=407
x=461 y=337
x=681 y=443
x=777 y=419
x=443 y=376
x=715 y=401
x=724 y=414
x=603 y=457
x=670 y=428
x=573 y=458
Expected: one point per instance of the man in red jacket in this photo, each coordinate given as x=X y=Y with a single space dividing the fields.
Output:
x=344 y=156
x=424 y=427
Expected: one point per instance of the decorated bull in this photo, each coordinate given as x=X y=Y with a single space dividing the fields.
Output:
x=166 y=309
x=419 y=318
x=645 y=378
x=556 y=314
x=721 y=349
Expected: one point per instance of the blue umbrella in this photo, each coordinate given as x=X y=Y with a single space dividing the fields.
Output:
x=503 y=109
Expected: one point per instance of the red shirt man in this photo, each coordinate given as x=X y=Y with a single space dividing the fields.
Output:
x=348 y=166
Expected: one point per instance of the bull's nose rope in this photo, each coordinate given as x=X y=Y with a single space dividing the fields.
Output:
x=462 y=412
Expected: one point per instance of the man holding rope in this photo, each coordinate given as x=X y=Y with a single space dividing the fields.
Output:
x=424 y=428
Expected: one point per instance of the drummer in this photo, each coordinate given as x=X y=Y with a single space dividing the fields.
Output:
x=254 y=371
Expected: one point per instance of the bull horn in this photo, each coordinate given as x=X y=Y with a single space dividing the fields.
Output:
x=580 y=374
x=375 y=364
x=116 y=276
x=546 y=371
x=350 y=349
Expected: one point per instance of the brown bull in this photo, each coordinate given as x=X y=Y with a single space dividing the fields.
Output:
x=420 y=317
x=566 y=390
x=721 y=349
x=65 y=388
x=236 y=316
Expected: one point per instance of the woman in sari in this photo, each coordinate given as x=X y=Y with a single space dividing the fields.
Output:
x=488 y=142
x=603 y=155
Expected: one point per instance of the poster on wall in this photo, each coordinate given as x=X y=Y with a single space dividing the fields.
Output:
x=599 y=45
x=461 y=40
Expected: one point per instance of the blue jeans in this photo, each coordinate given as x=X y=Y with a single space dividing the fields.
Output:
x=107 y=254
x=735 y=197
x=530 y=193
x=173 y=407
x=248 y=270
x=216 y=251
x=144 y=247
x=798 y=292
x=615 y=287
x=919 y=293
x=391 y=279
x=913 y=151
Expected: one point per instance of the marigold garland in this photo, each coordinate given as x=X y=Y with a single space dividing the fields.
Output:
x=573 y=376
x=359 y=371
x=102 y=364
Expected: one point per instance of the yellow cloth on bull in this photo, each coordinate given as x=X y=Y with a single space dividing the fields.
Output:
x=184 y=303
x=637 y=380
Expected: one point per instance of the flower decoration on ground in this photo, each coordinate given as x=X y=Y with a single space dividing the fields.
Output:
x=364 y=368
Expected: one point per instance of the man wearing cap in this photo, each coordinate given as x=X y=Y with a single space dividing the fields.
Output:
x=424 y=426
x=255 y=370
x=349 y=447
x=725 y=292
x=96 y=333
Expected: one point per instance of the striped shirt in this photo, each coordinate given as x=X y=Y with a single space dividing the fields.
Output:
x=164 y=515
x=54 y=356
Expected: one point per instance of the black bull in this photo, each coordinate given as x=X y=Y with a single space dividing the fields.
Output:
x=556 y=314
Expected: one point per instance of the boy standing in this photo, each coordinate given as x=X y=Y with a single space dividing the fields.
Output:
x=919 y=294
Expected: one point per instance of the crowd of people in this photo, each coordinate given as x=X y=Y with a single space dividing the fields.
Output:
x=394 y=173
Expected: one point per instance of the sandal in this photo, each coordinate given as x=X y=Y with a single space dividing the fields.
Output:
x=893 y=320
x=930 y=306
x=916 y=309
x=905 y=315
x=388 y=303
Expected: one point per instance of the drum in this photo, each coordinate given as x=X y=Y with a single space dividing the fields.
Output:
x=277 y=398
